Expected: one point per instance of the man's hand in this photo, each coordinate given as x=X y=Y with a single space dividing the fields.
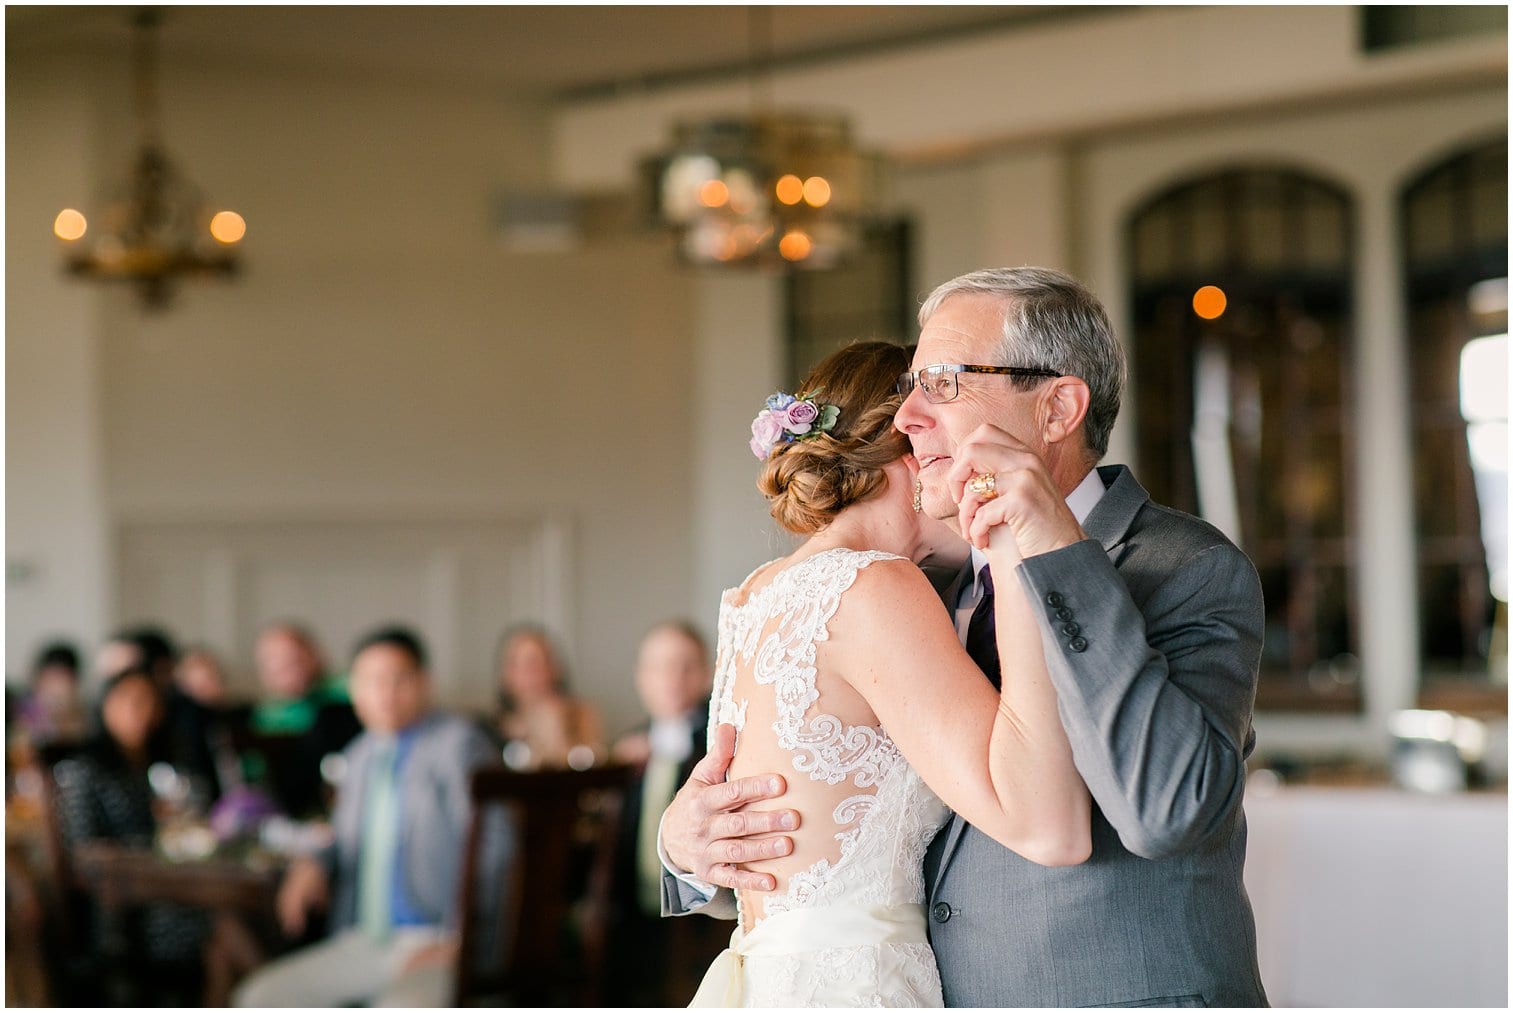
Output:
x=442 y=953
x=304 y=888
x=705 y=834
x=1028 y=503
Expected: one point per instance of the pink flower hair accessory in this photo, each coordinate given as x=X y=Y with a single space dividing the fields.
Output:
x=787 y=418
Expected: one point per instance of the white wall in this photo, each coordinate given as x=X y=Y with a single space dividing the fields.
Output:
x=383 y=357
x=1004 y=207
x=55 y=518
x=738 y=364
x=1079 y=77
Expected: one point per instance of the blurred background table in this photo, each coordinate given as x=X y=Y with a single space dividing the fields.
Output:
x=237 y=889
x=119 y=876
x=1374 y=896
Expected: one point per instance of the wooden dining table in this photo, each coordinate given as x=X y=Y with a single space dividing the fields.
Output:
x=119 y=875
x=238 y=889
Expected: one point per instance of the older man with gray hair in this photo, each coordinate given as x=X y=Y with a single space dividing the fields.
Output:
x=1151 y=626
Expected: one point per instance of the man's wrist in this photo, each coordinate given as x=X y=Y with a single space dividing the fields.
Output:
x=703 y=887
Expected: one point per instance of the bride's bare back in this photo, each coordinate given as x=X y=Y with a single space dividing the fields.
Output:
x=866 y=817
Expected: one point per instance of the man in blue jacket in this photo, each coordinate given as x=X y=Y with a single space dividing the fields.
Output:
x=390 y=877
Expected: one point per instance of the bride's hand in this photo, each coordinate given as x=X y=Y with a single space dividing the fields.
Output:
x=1027 y=508
x=704 y=834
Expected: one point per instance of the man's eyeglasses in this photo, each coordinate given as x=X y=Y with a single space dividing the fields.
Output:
x=938 y=382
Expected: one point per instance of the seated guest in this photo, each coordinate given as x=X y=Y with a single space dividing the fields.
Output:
x=184 y=732
x=116 y=655
x=302 y=717
x=53 y=711
x=103 y=794
x=654 y=961
x=391 y=878
x=200 y=677
x=200 y=683
x=159 y=655
x=539 y=720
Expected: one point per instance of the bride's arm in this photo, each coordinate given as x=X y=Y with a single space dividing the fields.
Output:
x=1001 y=761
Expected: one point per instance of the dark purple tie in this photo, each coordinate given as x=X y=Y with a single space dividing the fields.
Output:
x=982 y=644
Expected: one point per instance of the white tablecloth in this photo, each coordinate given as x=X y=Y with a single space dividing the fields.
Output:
x=1379 y=897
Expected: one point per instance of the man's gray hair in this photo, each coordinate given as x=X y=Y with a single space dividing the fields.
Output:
x=1051 y=321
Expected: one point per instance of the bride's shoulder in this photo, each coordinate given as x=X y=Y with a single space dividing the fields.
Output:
x=888 y=580
x=891 y=597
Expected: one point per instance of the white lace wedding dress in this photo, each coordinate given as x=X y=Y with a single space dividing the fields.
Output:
x=846 y=926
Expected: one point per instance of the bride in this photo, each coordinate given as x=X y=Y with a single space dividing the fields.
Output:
x=839 y=663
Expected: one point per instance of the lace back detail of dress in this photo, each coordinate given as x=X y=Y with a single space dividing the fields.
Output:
x=767 y=685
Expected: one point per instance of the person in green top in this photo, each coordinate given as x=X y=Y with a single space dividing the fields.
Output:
x=291 y=672
x=302 y=716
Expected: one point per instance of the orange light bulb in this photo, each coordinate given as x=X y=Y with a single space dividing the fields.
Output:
x=228 y=227
x=817 y=191
x=714 y=193
x=790 y=189
x=1209 y=302
x=795 y=246
x=69 y=225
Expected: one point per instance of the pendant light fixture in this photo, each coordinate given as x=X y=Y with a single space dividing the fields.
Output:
x=159 y=228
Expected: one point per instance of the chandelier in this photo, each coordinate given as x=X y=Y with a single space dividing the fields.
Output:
x=158 y=229
x=787 y=189
x=784 y=188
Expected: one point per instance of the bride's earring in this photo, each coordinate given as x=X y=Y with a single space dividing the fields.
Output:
x=919 y=489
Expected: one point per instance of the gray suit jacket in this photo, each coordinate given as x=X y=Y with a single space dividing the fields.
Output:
x=1153 y=633
x=434 y=813
x=1155 y=668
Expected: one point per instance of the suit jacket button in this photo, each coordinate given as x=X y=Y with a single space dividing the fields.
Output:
x=1078 y=644
x=1054 y=600
x=941 y=912
x=1064 y=614
x=1071 y=629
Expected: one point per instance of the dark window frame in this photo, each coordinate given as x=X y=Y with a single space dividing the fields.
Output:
x=1286 y=294
x=1436 y=288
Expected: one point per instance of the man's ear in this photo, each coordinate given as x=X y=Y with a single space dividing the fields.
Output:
x=1064 y=405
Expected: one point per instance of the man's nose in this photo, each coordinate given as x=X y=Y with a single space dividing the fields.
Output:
x=912 y=415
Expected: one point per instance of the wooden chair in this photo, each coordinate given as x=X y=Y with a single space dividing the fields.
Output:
x=546 y=944
x=60 y=883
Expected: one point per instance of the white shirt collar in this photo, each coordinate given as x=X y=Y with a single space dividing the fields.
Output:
x=671 y=738
x=1081 y=500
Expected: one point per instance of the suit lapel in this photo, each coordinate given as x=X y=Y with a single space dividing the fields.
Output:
x=1123 y=497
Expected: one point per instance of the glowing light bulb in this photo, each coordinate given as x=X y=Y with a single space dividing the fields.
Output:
x=69 y=225
x=817 y=191
x=790 y=189
x=795 y=246
x=714 y=193
x=228 y=227
x=1209 y=302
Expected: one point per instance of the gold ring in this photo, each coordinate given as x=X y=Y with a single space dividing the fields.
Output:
x=984 y=485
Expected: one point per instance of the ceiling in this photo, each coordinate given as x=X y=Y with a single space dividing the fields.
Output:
x=555 y=50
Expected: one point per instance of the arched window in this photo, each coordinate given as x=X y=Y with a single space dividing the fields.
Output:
x=1455 y=247
x=1242 y=306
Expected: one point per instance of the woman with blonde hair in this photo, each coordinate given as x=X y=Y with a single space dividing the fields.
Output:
x=542 y=723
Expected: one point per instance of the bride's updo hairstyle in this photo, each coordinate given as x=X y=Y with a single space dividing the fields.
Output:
x=811 y=480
